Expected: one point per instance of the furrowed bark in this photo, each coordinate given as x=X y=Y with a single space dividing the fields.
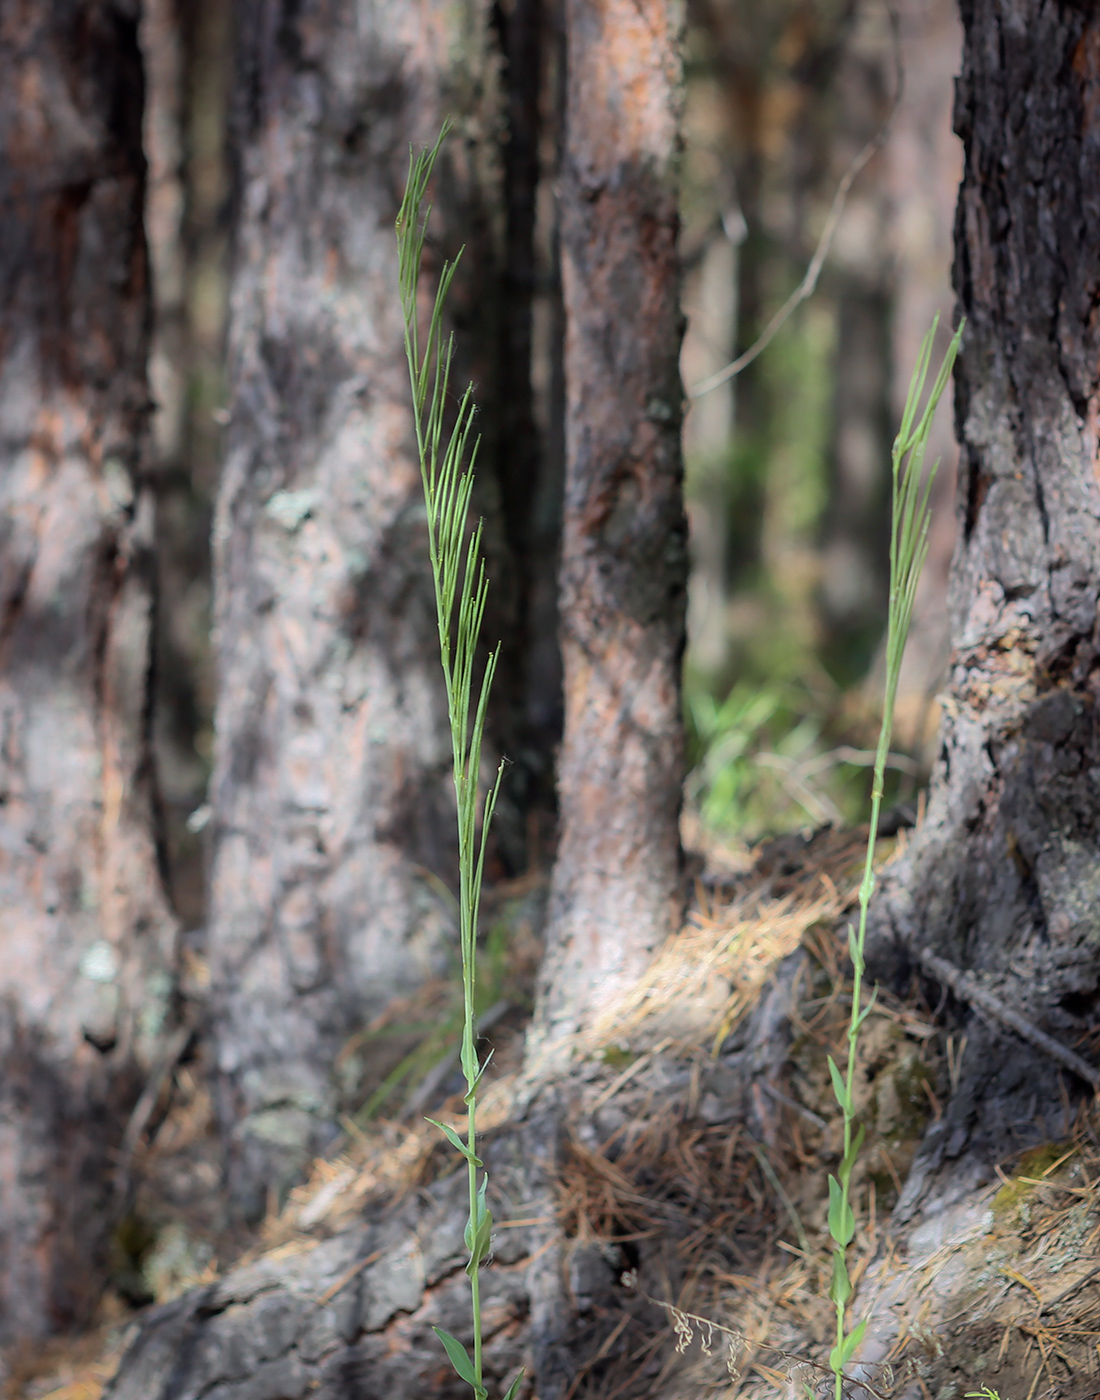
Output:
x=1003 y=877
x=86 y=936
x=332 y=800
x=616 y=891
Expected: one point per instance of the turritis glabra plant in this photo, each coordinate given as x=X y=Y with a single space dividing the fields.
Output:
x=447 y=454
x=911 y=489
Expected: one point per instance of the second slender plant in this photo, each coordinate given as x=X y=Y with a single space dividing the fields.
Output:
x=911 y=489
x=458 y=571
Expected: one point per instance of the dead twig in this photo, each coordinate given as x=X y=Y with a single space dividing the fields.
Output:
x=1070 y=1291
x=967 y=988
x=174 y=1050
x=343 y=1281
x=808 y=285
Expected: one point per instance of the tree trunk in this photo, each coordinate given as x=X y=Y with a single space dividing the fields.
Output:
x=332 y=799
x=352 y=1316
x=87 y=935
x=187 y=52
x=1004 y=877
x=616 y=890
x=530 y=460
x=924 y=157
x=1000 y=878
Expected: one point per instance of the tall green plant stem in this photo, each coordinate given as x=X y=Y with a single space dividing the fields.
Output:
x=910 y=491
x=458 y=572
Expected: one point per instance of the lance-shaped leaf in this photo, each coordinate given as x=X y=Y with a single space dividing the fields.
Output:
x=840 y=1089
x=479 y=1233
x=842 y=1354
x=513 y=1389
x=842 y=1220
x=460 y=1358
x=850 y=1156
x=455 y=1141
x=841 y=1289
x=471 y=1092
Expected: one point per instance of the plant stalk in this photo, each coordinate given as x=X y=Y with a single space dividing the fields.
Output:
x=458 y=574
x=909 y=523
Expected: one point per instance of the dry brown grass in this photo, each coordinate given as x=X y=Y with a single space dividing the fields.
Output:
x=708 y=1215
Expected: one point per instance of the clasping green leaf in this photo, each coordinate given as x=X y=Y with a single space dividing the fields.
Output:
x=841 y=1355
x=840 y=1089
x=455 y=1141
x=842 y=1219
x=841 y=1289
x=850 y=1156
x=471 y=1092
x=479 y=1235
x=460 y=1359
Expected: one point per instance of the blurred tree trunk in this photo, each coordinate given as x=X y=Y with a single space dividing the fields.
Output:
x=854 y=530
x=1004 y=877
x=86 y=936
x=187 y=49
x=530 y=455
x=617 y=885
x=617 y=881
x=925 y=168
x=331 y=795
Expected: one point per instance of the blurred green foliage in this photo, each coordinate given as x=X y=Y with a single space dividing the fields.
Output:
x=773 y=732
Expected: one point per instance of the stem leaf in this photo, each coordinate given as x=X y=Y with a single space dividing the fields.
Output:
x=842 y=1219
x=851 y=1155
x=455 y=1141
x=842 y=1354
x=513 y=1389
x=460 y=1358
x=471 y=1092
x=479 y=1233
x=841 y=1290
x=840 y=1089
x=871 y=1000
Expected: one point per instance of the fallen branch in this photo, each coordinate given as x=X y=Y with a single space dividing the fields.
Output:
x=1070 y=1291
x=174 y=1050
x=967 y=988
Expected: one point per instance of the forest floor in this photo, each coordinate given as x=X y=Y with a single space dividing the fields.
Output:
x=702 y=1129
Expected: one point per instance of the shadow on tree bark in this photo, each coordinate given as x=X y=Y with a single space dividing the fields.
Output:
x=87 y=935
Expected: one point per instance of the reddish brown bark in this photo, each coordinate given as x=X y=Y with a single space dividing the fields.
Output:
x=616 y=887
x=85 y=937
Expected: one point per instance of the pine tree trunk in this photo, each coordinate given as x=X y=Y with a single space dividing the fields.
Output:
x=332 y=798
x=86 y=933
x=616 y=891
x=354 y=1315
x=1004 y=877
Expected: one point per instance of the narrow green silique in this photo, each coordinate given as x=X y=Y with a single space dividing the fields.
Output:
x=911 y=489
x=458 y=570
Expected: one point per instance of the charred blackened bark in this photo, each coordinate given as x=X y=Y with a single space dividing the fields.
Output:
x=85 y=940
x=332 y=799
x=616 y=889
x=1004 y=875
